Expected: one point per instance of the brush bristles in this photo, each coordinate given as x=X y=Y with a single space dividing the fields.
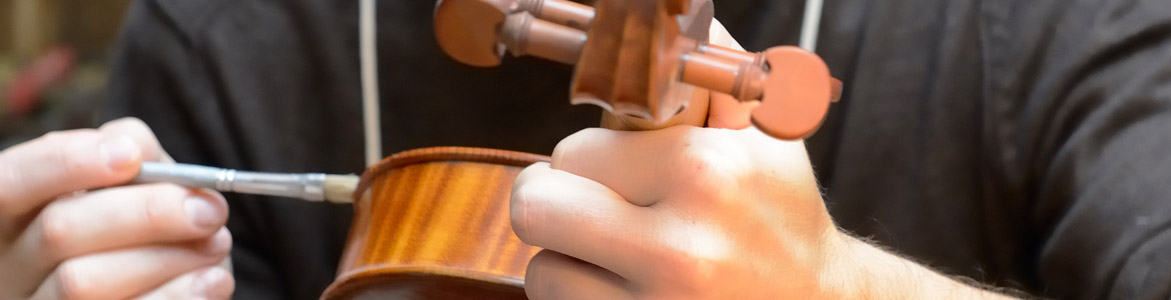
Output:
x=340 y=188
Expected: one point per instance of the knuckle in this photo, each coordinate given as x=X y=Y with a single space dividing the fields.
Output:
x=526 y=214
x=66 y=152
x=221 y=285
x=703 y=160
x=708 y=164
x=56 y=224
x=71 y=165
x=526 y=174
x=55 y=137
x=73 y=282
x=564 y=148
x=65 y=138
x=125 y=124
x=692 y=261
x=519 y=211
x=60 y=151
x=713 y=165
x=140 y=133
x=687 y=272
x=699 y=272
x=9 y=180
x=167 y=190
x=538 y=281
x=587 y=134
x=658 y=257
x=161 y=206
x=574 y=142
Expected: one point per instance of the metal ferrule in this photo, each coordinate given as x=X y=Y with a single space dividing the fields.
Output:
x=303 y=186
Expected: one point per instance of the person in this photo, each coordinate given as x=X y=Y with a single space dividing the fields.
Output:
x=1014 y=144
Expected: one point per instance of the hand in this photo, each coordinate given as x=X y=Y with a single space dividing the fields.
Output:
x=698 y=213
x=62 y=237
x=683 y=212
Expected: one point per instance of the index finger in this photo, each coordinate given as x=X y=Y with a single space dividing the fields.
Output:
x=58 y=163
x=644 y=167
x=63 y=162
x=138 y=131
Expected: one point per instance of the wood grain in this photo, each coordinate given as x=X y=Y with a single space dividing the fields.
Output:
x=630 y=59
x=434 y=223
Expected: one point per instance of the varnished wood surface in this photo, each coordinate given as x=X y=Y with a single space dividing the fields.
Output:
x=630 y=59
x=434 y=223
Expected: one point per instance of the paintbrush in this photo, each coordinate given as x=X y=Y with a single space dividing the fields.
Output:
x=308 y=186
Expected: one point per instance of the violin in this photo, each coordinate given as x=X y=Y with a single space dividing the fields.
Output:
x=434 y=223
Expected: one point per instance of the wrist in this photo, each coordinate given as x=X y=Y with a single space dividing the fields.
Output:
x=855 y=269
x=840 y=276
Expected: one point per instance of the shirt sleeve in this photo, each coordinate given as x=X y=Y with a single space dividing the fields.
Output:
x=1082 y=119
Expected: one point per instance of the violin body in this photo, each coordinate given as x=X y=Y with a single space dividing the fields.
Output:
x=434 y=223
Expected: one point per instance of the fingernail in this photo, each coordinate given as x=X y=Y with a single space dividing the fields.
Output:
x=207 y=285
x=221 y=241
x=120 y=152
x=202 y=213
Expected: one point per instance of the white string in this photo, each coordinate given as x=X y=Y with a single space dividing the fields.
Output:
x=369 y=61
x=809 y=25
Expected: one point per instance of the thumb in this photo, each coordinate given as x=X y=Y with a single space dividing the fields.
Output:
x=138 y=131
x=729 y=113
x=725 y=111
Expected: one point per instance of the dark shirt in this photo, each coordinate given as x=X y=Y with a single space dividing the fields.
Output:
x=1019 y=143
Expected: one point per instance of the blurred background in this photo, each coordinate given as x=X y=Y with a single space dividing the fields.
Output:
x=52 y=63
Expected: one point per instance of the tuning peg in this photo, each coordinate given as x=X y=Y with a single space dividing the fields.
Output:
x=793 y=85
x=561 y=12
x=467 y=30
x=797 y=94
x=477 y=32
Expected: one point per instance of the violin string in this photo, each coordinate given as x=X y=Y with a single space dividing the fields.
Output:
x=368 y=55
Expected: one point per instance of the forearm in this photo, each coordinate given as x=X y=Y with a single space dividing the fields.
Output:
x=860 y=270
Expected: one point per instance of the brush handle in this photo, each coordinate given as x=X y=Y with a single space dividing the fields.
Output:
x=302 y=186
